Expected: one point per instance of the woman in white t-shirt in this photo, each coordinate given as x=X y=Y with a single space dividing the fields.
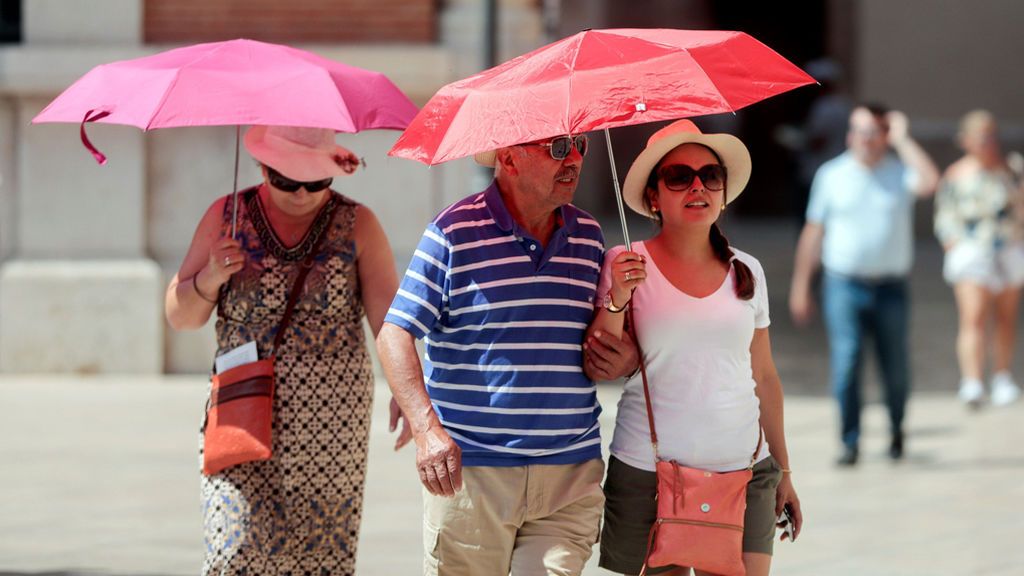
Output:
x=701 y=314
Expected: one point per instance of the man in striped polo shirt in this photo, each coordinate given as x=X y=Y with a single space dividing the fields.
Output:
x=502 y=289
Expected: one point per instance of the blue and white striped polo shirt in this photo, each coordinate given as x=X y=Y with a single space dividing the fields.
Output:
x=504 y=320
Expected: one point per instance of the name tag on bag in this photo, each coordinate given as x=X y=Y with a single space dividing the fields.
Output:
x=236 y=357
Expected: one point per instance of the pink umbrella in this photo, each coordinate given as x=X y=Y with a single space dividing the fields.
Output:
x=232 y=83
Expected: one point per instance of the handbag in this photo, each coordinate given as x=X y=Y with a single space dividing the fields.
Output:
x=700 y=513
x=239 y=413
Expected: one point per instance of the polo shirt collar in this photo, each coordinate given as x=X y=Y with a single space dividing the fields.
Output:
x=502 y=218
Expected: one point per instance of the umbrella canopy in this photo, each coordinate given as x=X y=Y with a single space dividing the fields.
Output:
x=232 y=83
x=237 y=82
x=595 y=80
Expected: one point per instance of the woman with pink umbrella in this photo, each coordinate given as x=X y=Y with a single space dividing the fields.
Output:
x=299 y=511
x=290 y=267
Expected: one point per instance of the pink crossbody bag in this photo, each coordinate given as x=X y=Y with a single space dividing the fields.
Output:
x=700 y=513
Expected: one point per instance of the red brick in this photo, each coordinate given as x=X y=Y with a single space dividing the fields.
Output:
x=291 y=21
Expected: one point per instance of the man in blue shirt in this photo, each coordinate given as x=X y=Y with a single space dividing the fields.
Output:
x=860 y=229
x=504 y=418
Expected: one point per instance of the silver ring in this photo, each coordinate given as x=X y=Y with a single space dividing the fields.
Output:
x=227 y=261
x=627 y=277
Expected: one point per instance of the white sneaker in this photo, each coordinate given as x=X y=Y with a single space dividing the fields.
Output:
x=972 y=393
x=1004 y=390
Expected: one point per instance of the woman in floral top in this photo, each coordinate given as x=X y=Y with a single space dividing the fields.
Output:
x=298 y=512
x=980 y=222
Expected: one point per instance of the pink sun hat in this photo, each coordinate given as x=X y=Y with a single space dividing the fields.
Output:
x=305 y=154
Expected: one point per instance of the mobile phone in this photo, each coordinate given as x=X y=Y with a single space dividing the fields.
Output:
x=785 y=522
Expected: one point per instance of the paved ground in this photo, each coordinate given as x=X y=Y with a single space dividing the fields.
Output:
x=99 y=475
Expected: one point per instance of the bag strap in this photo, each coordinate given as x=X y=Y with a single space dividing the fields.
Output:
x=304 y=267
x=650 y=544
x=631 y=321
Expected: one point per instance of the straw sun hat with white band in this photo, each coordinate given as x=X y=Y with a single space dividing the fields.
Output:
x=730 y=151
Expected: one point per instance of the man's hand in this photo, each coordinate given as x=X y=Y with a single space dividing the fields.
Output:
x=801 y=307
x=607 y=357
x=806 y=263
x=439 y=462
x=899 y=127
x=396 y=414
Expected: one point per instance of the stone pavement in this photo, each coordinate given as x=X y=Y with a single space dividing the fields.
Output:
x=99 y=476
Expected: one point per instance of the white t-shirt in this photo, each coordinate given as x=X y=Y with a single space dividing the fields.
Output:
x=697 y=353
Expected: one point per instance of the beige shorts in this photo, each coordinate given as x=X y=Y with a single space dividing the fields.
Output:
x=532 y=520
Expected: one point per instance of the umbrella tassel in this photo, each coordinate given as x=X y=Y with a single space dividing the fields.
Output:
x=618 y=191
x=234 y=187
x=100 y=157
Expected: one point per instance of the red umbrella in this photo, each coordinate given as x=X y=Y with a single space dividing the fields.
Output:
x=595 y=80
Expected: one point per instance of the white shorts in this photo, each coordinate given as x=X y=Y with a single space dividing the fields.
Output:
x=996 y=270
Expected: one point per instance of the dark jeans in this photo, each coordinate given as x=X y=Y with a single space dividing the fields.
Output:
x=854 y=311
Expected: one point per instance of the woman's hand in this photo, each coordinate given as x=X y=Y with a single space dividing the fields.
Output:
x=396 y=415
x=226 y=258
x=785 y=495
x=628 y=272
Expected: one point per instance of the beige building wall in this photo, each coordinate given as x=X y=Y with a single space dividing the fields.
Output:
x=9 y=132
x=86 y=251
x=937 y=60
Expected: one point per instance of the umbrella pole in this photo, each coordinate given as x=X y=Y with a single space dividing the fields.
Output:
x=234 y=187
x=618 y=191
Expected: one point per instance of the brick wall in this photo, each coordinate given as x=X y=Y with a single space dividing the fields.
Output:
x=291 y=21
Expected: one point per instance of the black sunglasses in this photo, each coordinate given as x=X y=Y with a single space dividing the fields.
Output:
x=679 y=177
x=286 y=184
x=561 y=146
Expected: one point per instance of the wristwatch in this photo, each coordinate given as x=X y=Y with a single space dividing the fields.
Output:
x=610 y=306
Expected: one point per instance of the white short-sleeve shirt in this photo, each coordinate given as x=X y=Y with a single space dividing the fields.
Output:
x=697 y=354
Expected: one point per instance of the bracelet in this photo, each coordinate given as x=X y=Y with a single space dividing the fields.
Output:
x=787 y=471
x=195 y=285
x=610 y=306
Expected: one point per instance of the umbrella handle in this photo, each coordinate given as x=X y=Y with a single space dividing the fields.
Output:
x=618 y=191
x=101 y=158
x=234 y=188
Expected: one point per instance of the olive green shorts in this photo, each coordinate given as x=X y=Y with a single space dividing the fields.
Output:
x=630 y=510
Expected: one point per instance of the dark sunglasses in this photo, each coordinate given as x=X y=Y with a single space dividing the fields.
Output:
x=286 y=184
x=561 y=146
x=679 y=177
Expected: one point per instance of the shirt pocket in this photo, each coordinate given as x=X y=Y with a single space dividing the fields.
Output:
x=583 y=286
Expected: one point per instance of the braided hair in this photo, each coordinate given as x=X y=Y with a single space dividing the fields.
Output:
x=744 y=278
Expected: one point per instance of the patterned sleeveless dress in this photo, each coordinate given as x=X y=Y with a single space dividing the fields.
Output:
x=298 y=513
